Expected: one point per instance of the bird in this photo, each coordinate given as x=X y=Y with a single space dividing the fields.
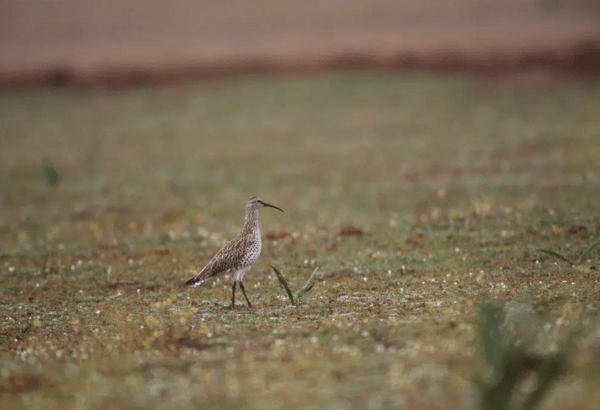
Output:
x=239 y=254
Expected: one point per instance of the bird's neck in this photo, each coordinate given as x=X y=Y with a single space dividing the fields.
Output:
x=251 y=222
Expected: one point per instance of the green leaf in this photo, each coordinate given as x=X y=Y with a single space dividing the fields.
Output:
x=52 y=176
x=284 y=283
x=588 y=250
x=558 y=255
x=308 y=285
x=511 y=363
x=493 y=335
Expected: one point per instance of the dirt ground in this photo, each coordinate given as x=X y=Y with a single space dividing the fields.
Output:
x=414 y=198
x=120 y=43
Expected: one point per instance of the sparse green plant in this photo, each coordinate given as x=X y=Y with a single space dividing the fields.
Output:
x=511 y=363
x=569 y=261
x=53 y=178
x=307 y=286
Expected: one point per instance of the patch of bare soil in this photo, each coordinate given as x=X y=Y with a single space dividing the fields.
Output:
x=122 y=43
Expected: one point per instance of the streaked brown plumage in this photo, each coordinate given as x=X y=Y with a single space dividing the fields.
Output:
x=239 y=254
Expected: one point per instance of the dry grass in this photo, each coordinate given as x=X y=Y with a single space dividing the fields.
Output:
x=452 y=190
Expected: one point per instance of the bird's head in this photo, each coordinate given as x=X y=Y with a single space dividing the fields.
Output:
x=256 y=203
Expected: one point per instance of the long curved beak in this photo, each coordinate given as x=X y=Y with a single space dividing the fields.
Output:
x=271 y=206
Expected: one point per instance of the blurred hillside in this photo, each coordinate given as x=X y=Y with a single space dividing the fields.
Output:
x=123 y=42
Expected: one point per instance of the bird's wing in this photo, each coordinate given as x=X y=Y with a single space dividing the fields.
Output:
x=225 y=261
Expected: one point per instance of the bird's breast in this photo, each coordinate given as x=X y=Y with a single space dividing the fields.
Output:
x=253 y=249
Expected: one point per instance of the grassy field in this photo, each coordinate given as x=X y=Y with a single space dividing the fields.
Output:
x=418 y=198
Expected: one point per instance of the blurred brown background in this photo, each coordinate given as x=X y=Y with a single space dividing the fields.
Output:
x=126 y=42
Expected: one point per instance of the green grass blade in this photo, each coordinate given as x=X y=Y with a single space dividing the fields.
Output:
x=588 y=250
x=304 y=289
x=495 y=342
x=284 y=283
x=52 y=176
x=308 y=285
x=557 y=255
x=548 y=372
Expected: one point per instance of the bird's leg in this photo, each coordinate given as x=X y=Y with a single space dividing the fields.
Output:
x=233 y=294
x=246 y=296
